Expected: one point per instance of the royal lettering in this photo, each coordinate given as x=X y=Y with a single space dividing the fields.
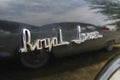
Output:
x=49 y=43
x=40 y=43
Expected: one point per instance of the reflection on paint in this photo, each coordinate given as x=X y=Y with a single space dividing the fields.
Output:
x=40 y=43
x=54 y=41
x=41 y=12
x=86 y=36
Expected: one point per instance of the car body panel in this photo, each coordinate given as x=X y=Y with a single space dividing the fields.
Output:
x=11 y=39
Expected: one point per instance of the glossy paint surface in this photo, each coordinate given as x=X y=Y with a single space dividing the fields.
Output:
x=41 y=12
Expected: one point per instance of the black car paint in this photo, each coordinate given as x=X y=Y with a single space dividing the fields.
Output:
x=11 y=32
x=10 y=37
x=44 y=12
